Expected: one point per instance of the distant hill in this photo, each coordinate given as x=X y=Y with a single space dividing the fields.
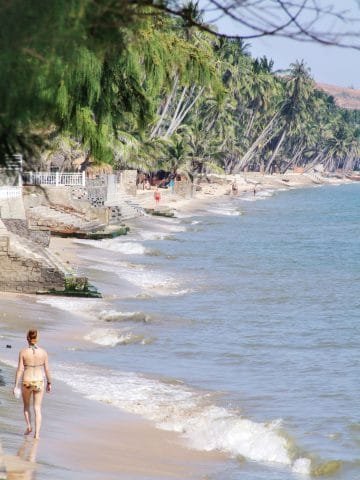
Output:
x=344 y=97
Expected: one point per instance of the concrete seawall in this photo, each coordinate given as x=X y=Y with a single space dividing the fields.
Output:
x=24 y=270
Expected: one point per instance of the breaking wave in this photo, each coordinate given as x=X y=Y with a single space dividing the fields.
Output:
x=179 y=408
x=111 y=338
x=115 y=316
x=114 y=245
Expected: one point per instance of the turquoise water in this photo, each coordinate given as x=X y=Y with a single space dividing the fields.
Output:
x=238 y=327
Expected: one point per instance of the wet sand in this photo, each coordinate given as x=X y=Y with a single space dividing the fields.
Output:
x=81 y=438
x=84 y=439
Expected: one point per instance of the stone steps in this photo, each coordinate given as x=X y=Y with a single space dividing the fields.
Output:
x=129 y=207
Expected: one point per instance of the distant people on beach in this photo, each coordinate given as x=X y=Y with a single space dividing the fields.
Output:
x=172 y=184
x=157 y=196
x=33 y=364
x=254 y=190
x=234 y=188
x=140 y=180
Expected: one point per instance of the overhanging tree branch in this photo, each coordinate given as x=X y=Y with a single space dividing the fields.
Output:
x=302 y=20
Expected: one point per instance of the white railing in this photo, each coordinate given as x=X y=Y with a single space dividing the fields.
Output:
x=10 y=192
x=54 y=178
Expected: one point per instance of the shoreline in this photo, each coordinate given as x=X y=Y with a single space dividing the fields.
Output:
x=91 y=440
x=210 y=193
x=219 y=186
x=140 y=458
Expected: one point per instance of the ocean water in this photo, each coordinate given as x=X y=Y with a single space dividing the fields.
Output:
x=237 y=327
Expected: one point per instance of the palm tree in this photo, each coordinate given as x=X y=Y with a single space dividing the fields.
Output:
x=295 y=109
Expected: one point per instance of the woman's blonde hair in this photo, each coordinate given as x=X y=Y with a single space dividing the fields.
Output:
x=32 y=336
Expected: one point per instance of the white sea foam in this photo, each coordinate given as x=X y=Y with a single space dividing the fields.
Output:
x=248 y=199
x=260 y=195
x=164 y=231
x=141 y=276
x=95 y=308
x=116 y=316
x=179 y=408
x=8 y=362
x=225 y=211
x=144 y=278
x=302 y=466
x=265 y=193
x=150 y=235
x=74 y=305
x=110 y=338
x=149 y=280
x=181 y=292
x=115 y=245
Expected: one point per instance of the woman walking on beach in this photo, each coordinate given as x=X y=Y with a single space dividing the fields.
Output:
x=33 y=362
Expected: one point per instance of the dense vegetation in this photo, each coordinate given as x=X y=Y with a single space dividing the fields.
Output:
x=136 y=87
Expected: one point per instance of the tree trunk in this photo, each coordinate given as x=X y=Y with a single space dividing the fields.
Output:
x=183 y=108
x=186 y=109
x=314 y=162
x=273 y=156
x=294 y=160
x=250 y=124
x=177 y=109
x=248 y=155
x=165 y=109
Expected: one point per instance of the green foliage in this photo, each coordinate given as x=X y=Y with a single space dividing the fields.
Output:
x=65 y=63
x=136 y=87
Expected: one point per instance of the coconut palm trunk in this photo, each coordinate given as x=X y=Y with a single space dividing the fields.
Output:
x=294 y=160
x=277 y=148
x=169 y=99
x=245 y=160
x=183 y=107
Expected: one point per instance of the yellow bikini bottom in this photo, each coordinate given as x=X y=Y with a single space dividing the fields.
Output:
x=34 y=385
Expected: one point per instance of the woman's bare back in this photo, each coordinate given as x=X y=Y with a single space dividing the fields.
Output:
x=34 y=360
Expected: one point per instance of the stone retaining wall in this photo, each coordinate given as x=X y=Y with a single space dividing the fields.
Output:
x=127 y=180
x=23 y=274
x=97 y=191
x=39 y=235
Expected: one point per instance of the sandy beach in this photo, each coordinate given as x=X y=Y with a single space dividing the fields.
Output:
x=79 y=436
x=218 y=186
x=84 y=439
x=93 y=441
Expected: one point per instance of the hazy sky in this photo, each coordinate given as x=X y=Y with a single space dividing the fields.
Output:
x=333 y=65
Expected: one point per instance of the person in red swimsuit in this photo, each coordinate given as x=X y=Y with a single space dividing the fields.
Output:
x=157 y=196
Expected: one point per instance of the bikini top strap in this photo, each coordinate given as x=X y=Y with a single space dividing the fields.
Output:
x=33 y=347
